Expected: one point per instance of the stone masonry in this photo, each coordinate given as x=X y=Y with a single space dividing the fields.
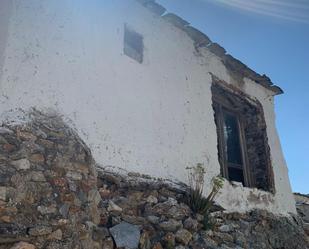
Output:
x=51 y=196
x=48 y=193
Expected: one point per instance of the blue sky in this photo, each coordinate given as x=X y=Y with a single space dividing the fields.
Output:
x=271 y=37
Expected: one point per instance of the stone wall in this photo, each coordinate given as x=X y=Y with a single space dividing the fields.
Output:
x=158 y=211
x=48 y=193
x=52 y=197
x=302 y=206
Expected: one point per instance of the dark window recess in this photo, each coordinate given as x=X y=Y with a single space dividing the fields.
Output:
x=242 y=141
x=133 y=44
x=231 y=138
x=236 y=175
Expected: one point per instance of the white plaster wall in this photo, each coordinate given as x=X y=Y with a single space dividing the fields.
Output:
x=154 y=118
x=5 y=12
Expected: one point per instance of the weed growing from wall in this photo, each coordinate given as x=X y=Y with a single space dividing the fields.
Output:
x=195 y=198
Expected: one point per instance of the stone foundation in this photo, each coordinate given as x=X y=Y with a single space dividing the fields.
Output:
x=48 y=193
x=165 y=221
x=52 y=197
x=302 y=206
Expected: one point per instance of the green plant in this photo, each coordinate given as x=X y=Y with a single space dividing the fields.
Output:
x=170 y=245
x=195 y=198
x=208 y=222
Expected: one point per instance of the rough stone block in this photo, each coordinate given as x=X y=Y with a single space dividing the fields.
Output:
x=3 y=191
x=40 y=230
x=21 y=164
x=126 y=235
x=74 y=175
x=170 y=225
x=183 y=236
x=23 y=245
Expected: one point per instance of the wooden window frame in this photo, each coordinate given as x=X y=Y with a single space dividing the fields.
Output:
x=233 y=99
x=222 y=106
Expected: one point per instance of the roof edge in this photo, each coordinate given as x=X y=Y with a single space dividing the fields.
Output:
x=200 y=39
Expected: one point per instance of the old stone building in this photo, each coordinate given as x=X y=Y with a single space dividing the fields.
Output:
x=147 y=93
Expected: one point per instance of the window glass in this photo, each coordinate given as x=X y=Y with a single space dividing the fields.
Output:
x=133 y=45
x=231 y=136
x=236 y=175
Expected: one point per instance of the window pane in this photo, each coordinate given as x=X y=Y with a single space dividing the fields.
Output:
x=231 y=137
x=133 y=44
x=236 y=175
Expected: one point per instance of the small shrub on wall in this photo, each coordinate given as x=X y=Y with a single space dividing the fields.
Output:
x=195 y=198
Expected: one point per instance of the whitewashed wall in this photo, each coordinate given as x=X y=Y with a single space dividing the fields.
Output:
x=154 y=118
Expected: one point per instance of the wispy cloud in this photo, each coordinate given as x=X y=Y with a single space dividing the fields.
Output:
x=293 y=10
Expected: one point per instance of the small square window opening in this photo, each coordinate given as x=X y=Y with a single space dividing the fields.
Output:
x=133 y=44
